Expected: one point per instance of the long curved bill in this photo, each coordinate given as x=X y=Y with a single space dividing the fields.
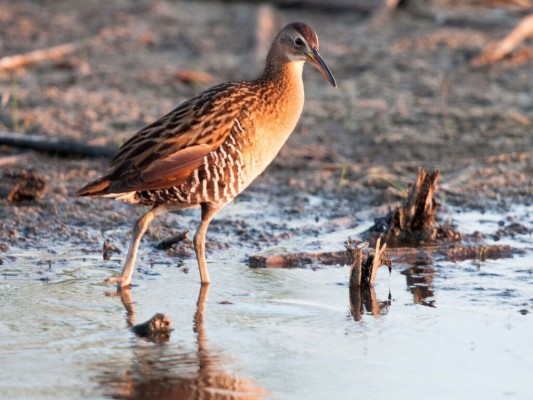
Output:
x=314 y=58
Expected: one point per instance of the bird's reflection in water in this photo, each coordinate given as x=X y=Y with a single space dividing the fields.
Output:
x=420 y=283
x=363 y=300
x=164 y=371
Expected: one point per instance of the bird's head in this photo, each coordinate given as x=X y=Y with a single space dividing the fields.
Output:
x=299 y=42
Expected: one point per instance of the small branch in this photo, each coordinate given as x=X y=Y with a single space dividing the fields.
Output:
x=55 y=145
x=495 y=52
x=10 y=63
x=15 y=159
x=167 y=243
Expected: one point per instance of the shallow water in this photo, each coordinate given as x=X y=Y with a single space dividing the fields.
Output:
x=448 y=330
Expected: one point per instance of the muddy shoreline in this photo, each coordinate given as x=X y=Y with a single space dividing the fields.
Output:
x=408 y=97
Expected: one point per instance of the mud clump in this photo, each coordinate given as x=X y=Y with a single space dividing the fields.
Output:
x=157 y=329
x=21 y=184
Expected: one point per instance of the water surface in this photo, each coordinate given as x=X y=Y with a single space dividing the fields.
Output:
x=447 y=330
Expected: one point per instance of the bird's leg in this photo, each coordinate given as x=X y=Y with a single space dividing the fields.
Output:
x=208 y=212
x=138 y=231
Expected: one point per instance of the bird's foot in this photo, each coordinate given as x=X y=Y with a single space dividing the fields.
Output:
x=121 y=281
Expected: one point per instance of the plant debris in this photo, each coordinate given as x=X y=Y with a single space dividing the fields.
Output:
x=21 y=184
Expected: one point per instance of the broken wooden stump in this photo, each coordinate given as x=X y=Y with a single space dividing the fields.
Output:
x=21 y=184
x=414 y=223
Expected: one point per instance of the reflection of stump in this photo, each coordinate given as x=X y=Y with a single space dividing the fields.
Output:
x=363 y=300
x=414 y=222
x=362 y=276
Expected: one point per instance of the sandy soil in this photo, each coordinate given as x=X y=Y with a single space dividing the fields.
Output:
x=407 y=97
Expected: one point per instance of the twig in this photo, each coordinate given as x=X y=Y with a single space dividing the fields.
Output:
x=14 y=159
x=10 y=63
x=167 y=243
x=55 y=145
x=495 y=52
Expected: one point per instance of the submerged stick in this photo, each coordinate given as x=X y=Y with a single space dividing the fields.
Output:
x=403 y=255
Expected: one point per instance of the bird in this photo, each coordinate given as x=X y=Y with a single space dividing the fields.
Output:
x=211 y=147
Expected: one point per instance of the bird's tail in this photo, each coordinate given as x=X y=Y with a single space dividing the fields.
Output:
x=96 y=188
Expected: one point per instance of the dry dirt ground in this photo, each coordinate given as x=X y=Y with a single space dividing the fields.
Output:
x=408 y=96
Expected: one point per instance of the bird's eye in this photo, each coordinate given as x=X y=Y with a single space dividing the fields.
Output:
x=298 y=41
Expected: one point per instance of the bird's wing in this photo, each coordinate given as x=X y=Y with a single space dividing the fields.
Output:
x=167 y=151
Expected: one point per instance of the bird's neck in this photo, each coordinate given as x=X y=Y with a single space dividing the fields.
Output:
x=282 y=71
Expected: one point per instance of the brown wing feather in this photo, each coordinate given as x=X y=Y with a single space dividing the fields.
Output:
x=175 y=163
x=165 y=152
